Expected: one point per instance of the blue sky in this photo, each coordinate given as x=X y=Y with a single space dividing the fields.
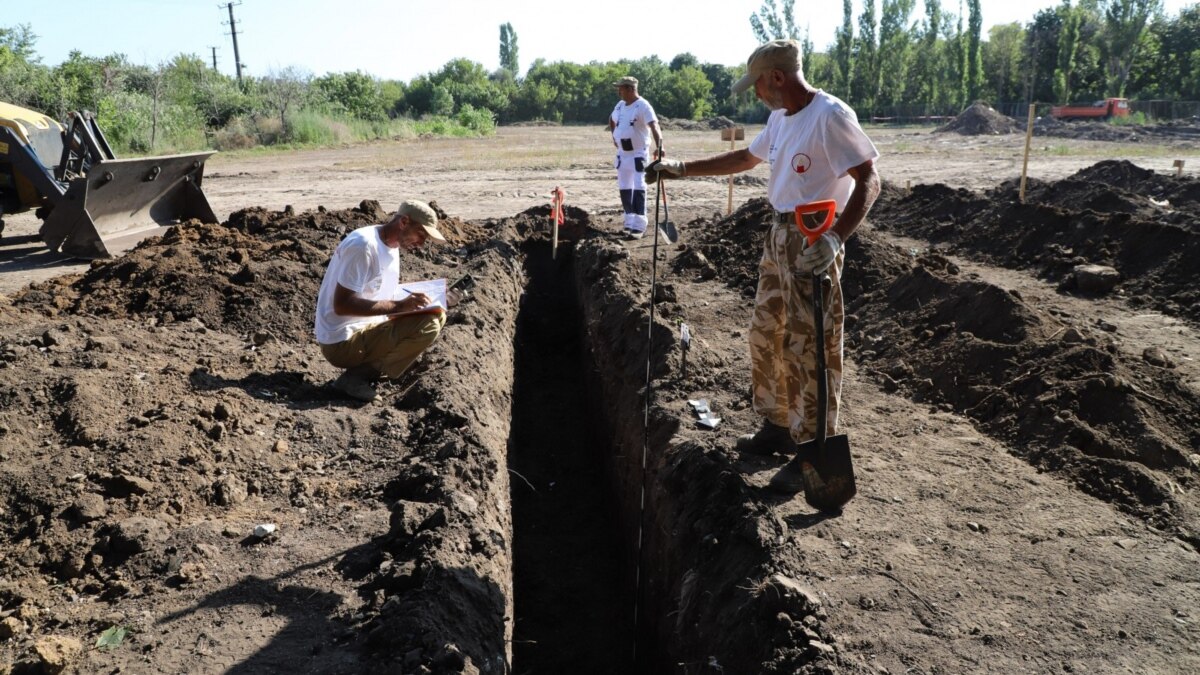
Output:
x=401 y=39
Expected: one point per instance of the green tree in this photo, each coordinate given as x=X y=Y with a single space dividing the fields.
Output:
x=285 y=91
x=772 y=24
x=356 y=94
x=866 y=59
x=1068 y=44
x=721 y=96
x=19 y=41
x=685 y=94
x=843 y=49
x=974 y=51
x=684 y=60
x=1125 y=24
x=924 y=85
x=895 y=48
x=1173 y=67
x=22 y=78
x=962 y=91
x=508 y=50
x=1002 y=62
x=1040 y=55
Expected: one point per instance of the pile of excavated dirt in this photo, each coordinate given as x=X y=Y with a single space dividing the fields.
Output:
x=1185 y=132
x=255 y=275
x=979 y=119
x=1114 y=214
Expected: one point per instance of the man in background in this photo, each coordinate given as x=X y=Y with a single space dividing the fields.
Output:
x=632 y=123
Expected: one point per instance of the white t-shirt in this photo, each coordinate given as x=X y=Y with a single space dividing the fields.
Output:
x=811 y=151
x=633 y=122
x=365 y=265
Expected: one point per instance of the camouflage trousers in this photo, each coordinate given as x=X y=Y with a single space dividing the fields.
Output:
x=388 y=347
x=783 y=337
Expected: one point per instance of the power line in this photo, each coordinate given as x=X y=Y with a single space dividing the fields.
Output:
x=232 y=23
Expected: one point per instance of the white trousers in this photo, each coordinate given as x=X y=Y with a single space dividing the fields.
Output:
x=632 y=184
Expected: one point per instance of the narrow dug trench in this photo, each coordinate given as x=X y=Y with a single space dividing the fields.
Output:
x=571 y=599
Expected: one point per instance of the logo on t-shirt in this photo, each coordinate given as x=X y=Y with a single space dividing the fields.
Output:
x=801 y=163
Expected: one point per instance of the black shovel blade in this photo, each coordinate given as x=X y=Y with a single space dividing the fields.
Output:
x=828 y=475
x=667 y=228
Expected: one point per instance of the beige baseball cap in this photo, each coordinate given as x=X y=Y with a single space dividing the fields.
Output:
x=626 y=81
x=422 y=214
x=775 y=55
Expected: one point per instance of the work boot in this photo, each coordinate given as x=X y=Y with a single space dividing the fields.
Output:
x=356 y=386
x=789 y=479
x=768 y=440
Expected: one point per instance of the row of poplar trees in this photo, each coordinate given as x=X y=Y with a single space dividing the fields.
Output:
x=887 y=56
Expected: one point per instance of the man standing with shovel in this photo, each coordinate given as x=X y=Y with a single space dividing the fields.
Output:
x=817 y=151
x=632 y=123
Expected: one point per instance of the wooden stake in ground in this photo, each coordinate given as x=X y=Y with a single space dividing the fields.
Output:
x=557 y=198
x=1178 y=168
x=1028 y=138
x=733 y=135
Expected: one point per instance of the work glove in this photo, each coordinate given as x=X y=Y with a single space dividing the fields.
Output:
x=819 y=255
x=671 y=167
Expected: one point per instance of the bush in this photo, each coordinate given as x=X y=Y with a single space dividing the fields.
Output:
x=480 y=120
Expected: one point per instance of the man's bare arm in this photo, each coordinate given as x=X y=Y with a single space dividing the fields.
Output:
x=866 y=190
x=734 y=161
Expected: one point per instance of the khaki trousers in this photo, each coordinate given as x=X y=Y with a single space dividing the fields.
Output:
x=782 y=337
x=389 y=347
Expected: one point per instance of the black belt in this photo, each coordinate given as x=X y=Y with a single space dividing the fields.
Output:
x=789 y=217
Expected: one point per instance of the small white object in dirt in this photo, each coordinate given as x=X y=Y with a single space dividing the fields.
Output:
x=706 y=418
x=685 y=335
x=264 y=530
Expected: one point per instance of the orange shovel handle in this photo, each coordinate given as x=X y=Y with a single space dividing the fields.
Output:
x=815 y=218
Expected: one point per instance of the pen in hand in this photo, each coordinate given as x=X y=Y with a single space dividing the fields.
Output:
x=420 y=298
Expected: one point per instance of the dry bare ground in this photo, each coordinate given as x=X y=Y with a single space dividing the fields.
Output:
x=1027 y=453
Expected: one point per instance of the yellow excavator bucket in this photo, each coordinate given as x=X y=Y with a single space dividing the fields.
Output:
x=122 y=201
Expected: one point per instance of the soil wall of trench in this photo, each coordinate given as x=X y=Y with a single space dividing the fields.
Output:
x=710 y=598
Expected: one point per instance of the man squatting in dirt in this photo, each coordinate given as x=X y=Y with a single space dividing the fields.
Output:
x=816 y=150
x=355 y=323
x=632 y=122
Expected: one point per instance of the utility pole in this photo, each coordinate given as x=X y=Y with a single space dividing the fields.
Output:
x=237 y=57
x=214 y=53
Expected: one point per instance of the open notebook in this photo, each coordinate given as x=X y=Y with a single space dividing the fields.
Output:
x=434 y=288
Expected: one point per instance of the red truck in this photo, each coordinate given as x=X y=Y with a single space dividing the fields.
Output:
x=1102 y=109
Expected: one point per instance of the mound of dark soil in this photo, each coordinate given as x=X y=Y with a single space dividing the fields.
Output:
x=1068 y=404
x=1186 y=131
x=979 y=119
x=258 y=273
x=1113 y=213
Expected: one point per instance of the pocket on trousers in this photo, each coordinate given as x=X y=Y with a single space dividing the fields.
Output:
x=617 y=164
x=627 y=144
x=639 y=164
